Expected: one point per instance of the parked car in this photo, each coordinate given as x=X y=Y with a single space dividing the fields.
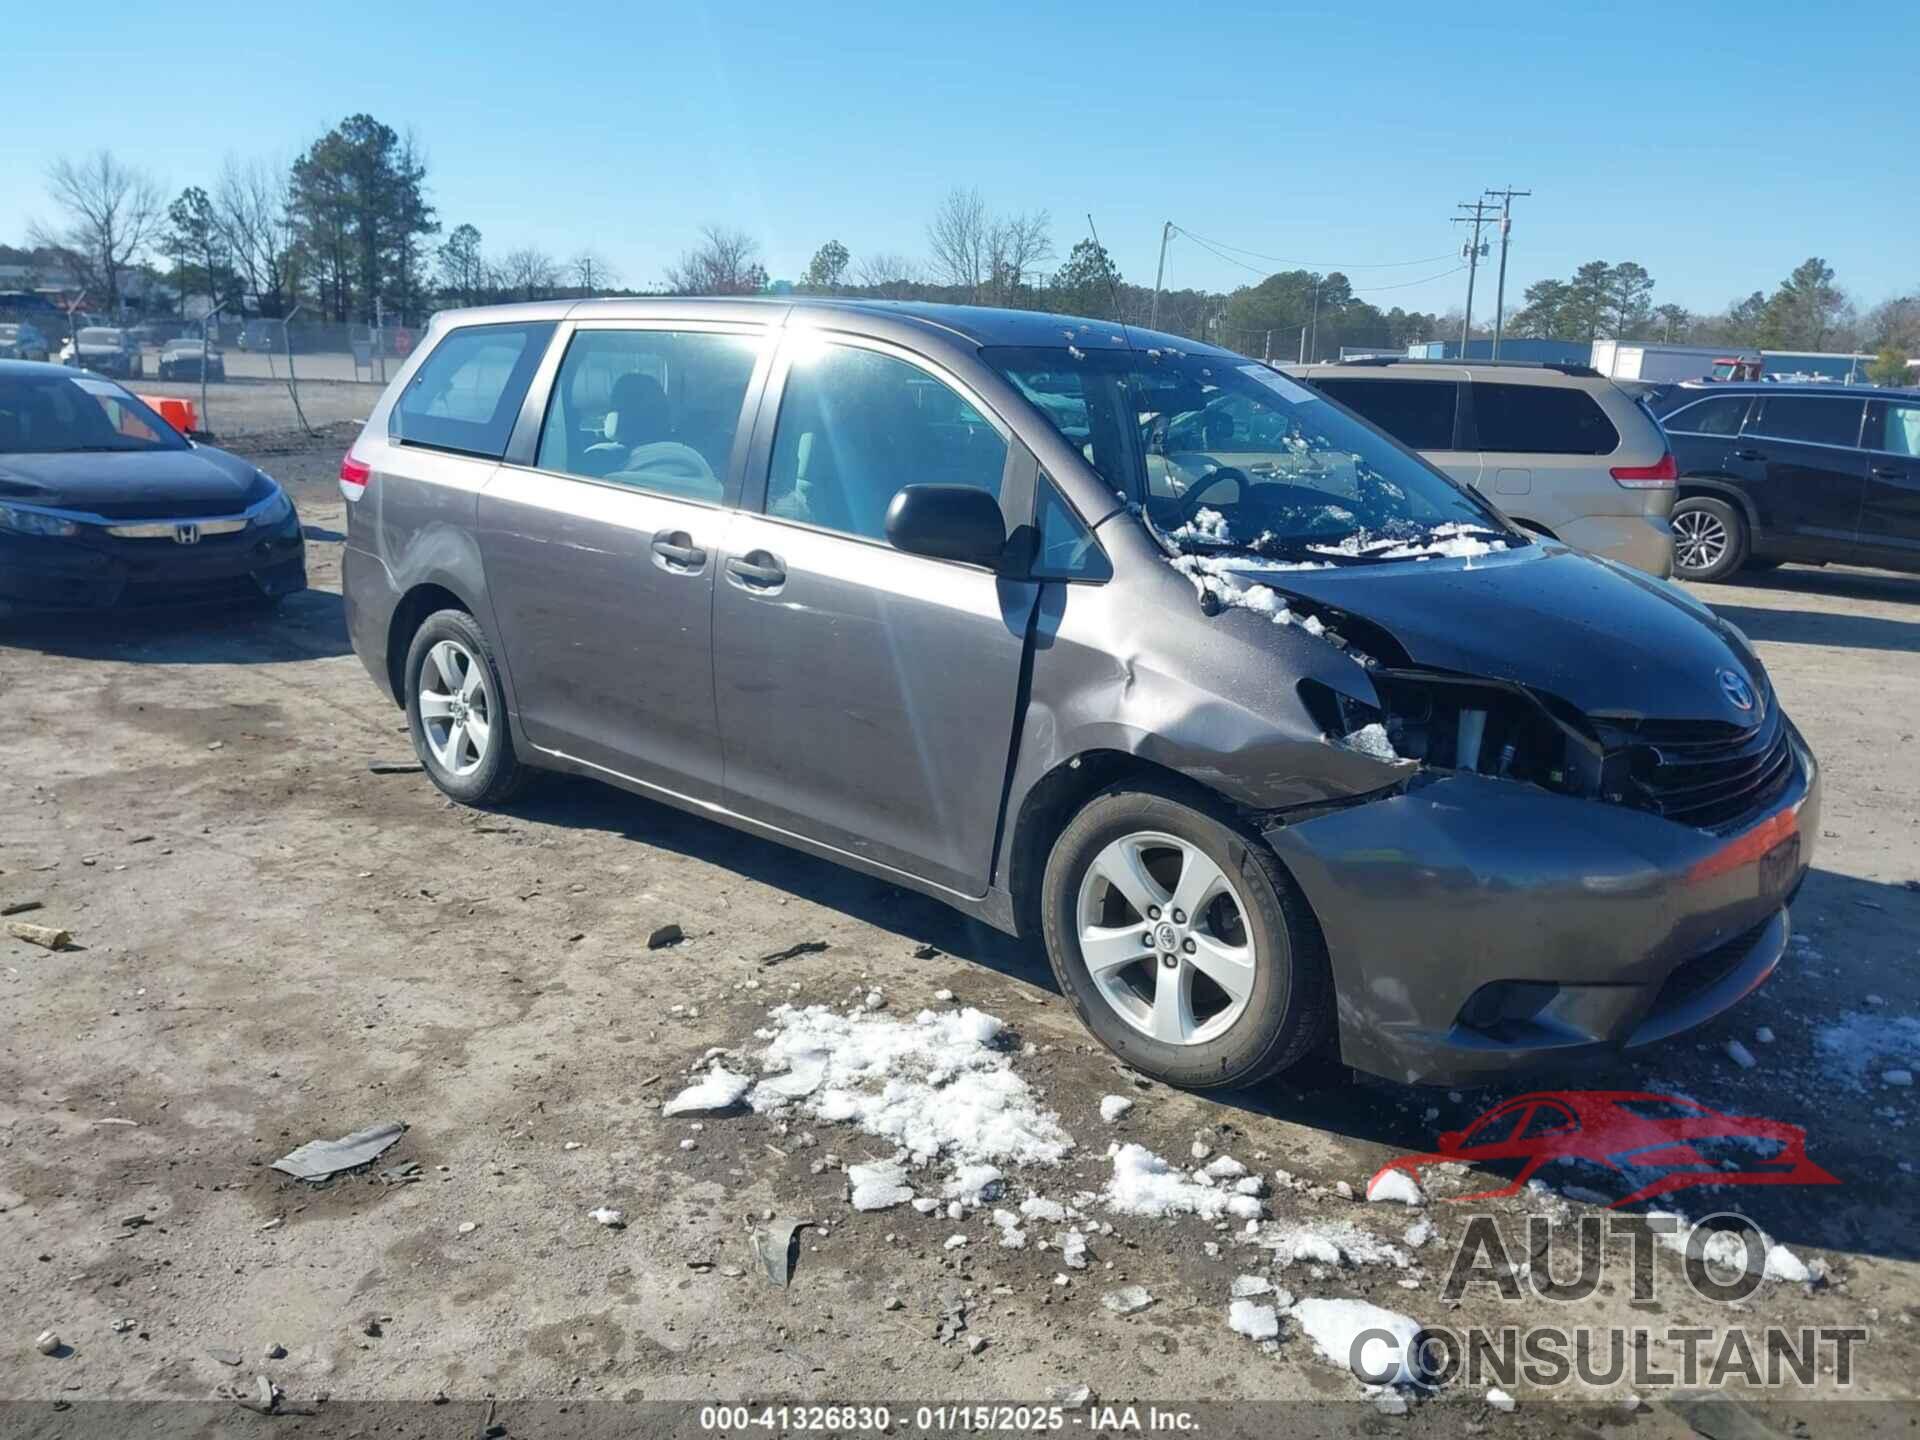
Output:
x=105 y=351
x=1562 y=451
x=185 y=359
x=103 y=504
x=23 y=341
x=1807 y=473
x=1317 y=746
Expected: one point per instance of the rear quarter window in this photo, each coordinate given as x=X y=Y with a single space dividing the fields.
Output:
x=1540 y=420
x=466 y=394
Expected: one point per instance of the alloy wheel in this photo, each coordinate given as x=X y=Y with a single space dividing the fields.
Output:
x=456 y=707
x=1164 y=935
x=1699 y=540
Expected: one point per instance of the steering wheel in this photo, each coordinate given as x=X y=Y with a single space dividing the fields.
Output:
x=1189 y=504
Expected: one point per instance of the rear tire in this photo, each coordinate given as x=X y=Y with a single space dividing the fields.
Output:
x=1709 y=539
x=456 y=711
x=1162 y=1009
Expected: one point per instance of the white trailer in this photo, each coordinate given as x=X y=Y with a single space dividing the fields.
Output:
x=1659 y=364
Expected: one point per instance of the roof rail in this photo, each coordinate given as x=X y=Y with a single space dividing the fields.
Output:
x=1564 y=367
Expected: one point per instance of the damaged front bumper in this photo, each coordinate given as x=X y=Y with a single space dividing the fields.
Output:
x=1477 y=925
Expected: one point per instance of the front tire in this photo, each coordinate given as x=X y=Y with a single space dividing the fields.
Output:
x=1184 y=946
x=456 y=711
x=1709 y=539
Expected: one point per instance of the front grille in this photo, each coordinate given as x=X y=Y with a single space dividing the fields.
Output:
x=1704 y=773
x=224 y=589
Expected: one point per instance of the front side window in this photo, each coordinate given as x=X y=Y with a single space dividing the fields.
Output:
x=1065 y=547
x=466 y=394
x=653 y=409
x=63 y=415
x=1894 y=427
x=1719 y=416
x=857 y=426
x=1811 y=419
x=1541 y=420
x=1417 y=413
x=1295 y=478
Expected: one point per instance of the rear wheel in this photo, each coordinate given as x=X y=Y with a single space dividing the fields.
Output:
x=456 y=710
x=1709 y=539
x=1183 y=945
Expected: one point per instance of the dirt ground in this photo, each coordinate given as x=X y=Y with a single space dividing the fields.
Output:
x=274 y=944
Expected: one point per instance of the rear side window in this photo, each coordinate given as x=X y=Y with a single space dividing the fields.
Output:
x=1812 y=419
x=1719 y=416
x=466 y=394
x=857 y=426
x=1541 y=420
x=653 y=409
x=1417 y=413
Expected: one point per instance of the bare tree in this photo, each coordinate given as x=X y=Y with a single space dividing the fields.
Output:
x=110 y=214
x=591 y=272
x=1015 y=245
x=960 y=236
x=531 y=272
x=251 y=208
x=725 y=262
x=890 y=277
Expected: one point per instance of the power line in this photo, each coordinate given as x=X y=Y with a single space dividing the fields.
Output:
x=1500 y=297
x=1307 y=264
x=1478 y=213
x=1356 y=289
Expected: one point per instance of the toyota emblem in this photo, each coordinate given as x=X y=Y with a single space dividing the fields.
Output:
x=1739 y=694
x=186 y=534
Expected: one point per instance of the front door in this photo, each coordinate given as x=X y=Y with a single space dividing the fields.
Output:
x=601 y=554
x=1890 y=514
x=867 y=696
x=1799 y=456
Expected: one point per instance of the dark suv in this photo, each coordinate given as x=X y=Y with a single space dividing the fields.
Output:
x=1810 y=473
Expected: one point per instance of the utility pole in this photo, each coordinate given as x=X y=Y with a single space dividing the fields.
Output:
x=1159 y=276
x=1500 y=296
x=1478 y=213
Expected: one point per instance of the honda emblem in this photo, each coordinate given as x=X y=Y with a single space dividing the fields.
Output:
x=186 y=534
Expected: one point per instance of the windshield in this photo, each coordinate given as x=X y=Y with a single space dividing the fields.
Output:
x=59 y=414
x=1227 y=455
x=99 y=337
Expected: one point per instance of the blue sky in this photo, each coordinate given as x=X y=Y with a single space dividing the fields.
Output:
x=1718 y=144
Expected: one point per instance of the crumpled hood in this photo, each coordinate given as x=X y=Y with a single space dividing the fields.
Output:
x=159 y=483
x=1612 y=642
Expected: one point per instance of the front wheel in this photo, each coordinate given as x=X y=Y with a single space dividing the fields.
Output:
x=1709 y=539
x=456 y=710
x=1181 y=942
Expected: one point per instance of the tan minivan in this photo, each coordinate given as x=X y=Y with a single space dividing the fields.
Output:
x=1560 y=449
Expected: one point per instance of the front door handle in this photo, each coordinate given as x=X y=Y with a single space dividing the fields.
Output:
x=757 y=570
x=676 y=547
x=1889 y=472
x=1749 y=454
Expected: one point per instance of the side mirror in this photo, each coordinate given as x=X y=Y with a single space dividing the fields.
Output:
x=948 y=522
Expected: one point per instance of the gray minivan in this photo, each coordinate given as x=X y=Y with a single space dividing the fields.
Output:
x=1311 y=747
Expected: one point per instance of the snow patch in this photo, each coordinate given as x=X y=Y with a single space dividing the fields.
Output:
x=1144 y=1184
x=1255 y=1321
x=719 y=1089
x=880 y=1186
x=1112 y=1107
x=1335 y=1326
x=1394 y=1185
x=1328 y=1242
x=1851 y=1047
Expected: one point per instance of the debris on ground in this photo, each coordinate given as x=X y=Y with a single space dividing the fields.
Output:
x=608 y=1216
x=1127 y=1300
x=322 y=1159
x=664 y=936
x=1500 y=1400
x=718 y=1092
x=226 y=1357
x=1395 y=1185
x=20 y=907
x=395 y=767
x=773 y=1249
x=1740 y=1055
x=46 y=937
x=47 y=1342
x=793 y=952
x=1335 y=1325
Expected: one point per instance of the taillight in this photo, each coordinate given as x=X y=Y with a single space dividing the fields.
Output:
x=1663 y=476
x=354 y=475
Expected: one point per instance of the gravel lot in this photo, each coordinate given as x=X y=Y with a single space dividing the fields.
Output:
x=274 y=944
